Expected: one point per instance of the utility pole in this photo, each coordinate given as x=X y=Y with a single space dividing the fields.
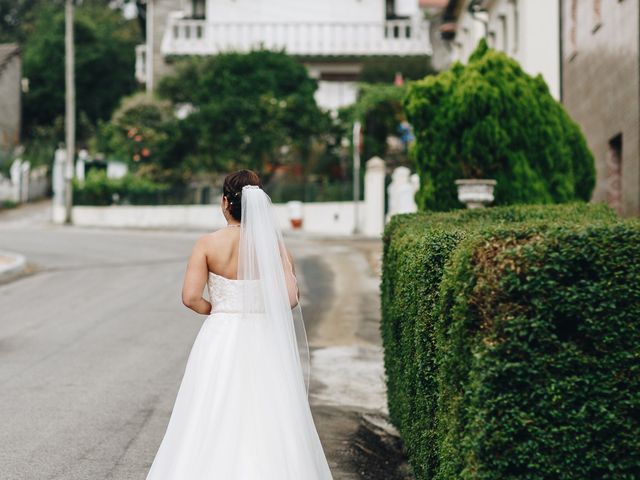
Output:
x=357 y=145
x=70 y=110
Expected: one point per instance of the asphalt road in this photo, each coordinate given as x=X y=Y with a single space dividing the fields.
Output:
x=94 y=341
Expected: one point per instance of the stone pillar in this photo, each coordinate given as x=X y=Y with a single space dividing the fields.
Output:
x=373 y=214
x=25 y=173
x=401 y=192
x=15 y=172
x=83 y=156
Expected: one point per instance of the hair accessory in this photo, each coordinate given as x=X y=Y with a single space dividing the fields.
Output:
x=247 y=187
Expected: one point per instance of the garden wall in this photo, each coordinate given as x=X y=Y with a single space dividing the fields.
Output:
x=330 y=218
x=511 y=338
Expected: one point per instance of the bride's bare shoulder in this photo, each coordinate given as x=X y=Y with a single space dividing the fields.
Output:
x=217 y=239
x=209 y=240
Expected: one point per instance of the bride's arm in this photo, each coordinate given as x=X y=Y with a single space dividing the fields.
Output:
x=195 y=278
x=290 y=279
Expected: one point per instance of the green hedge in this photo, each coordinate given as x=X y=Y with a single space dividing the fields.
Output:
x=98 y=189
x=511 y=341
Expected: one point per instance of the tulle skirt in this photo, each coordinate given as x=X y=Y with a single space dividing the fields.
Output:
x=238 y=415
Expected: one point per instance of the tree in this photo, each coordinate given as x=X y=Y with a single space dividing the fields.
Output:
x=141 y=132
x=15 y=16
x=105 y=59
x=253 y=110
x=489 y=119
x=379 y=109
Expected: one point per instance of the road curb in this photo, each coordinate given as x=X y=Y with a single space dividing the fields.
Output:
x=15 y=266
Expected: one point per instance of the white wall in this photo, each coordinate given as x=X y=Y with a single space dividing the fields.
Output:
x=540 y=39
x=334 y=95
x=330 y=218
x=264 y=11
x=527 y=30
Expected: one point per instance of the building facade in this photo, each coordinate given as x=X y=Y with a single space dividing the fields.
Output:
x=330 y=37
x=526 y=30
x=10 y=95
x=601 y=91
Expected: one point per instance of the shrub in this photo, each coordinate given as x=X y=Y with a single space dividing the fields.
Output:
x=140 y=132
x=98 y=189
x=511 y=342
x=489 y=119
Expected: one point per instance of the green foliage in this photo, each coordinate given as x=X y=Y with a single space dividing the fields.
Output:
x=98 y=189
x=511 y=342
x=105 y=59
x=489 y=119
x=144 y=133
x=384 y=69
x=247 y=108
x=379 y=109
x=15 y=17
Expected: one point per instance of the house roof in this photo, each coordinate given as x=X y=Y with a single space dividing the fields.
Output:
x=433 y=3
x=7 y=52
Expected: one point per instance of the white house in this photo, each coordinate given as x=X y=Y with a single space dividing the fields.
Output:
x=527 y=30
x=331 y=37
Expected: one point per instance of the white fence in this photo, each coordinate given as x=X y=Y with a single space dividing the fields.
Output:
x=328 y=218
x=324 y=218
x=202 y=37
x=24 y=183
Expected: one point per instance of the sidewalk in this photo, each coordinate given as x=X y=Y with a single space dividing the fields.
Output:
x=12 y=265
x=348 y=394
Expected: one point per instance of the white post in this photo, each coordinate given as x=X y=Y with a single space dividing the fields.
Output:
x=374 y=197
x=57 y=180
x=401 y=192
x=15 y=172
x=357 y=145
x=83 y=156
x=24 y=181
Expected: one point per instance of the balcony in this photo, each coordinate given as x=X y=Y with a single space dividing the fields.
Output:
x=202 y=37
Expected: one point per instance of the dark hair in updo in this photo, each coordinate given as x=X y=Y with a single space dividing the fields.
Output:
x=232 y=189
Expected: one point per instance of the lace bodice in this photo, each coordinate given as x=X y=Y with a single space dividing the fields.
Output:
x=225 y=294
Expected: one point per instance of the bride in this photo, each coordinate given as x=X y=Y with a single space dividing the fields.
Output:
x=242 y=411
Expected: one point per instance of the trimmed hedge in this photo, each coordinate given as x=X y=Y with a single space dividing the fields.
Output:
x=511 y=340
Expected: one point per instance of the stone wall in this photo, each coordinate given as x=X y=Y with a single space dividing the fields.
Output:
x=601 y=88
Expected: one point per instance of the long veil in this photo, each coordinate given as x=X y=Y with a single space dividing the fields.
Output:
x=270 y=292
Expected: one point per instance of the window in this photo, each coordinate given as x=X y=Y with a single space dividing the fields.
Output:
x=390 y=9
x=198 y=8
x=614 y=173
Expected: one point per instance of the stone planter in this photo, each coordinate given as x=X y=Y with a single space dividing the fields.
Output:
x=475 y=193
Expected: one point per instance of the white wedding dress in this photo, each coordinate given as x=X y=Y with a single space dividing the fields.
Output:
x=242 y=411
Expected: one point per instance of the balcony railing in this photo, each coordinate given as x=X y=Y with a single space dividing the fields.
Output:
x=202 y=37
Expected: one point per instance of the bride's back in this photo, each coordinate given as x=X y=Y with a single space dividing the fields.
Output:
x=221 y=250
